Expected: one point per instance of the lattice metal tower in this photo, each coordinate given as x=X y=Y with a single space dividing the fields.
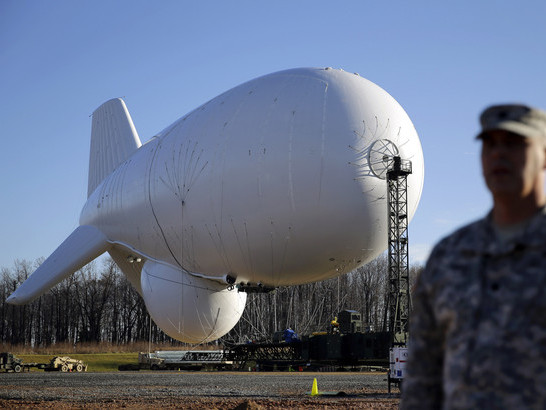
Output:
x=399 y=304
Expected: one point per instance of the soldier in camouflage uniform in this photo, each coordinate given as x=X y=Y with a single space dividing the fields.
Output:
x=478 y=326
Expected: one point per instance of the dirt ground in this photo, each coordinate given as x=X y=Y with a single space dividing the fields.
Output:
x=209 y=403
x=187 y=390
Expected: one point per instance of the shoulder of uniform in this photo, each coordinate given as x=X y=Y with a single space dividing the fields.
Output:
x=465 y=235
x=468 y=238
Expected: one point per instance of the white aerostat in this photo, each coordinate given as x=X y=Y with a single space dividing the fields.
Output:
x=278 y=181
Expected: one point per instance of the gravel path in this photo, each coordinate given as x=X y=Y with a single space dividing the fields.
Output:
x=226 y=390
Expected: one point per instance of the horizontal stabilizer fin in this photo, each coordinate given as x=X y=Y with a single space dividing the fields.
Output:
x=113 y=140
x=81 y=247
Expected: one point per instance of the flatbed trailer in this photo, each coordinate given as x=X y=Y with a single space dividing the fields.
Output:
x=354 y=351
x=183 y=359
x=11 y=363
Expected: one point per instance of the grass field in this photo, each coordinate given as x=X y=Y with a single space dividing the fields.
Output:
x=96 y=362
x=100 y=357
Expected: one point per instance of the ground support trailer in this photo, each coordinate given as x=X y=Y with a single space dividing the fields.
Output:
x=182 y=360
x=354 y=351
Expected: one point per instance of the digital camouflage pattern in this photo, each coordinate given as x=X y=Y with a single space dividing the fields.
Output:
x=478 y=326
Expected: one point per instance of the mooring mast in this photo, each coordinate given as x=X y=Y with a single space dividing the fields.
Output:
x=399 y=302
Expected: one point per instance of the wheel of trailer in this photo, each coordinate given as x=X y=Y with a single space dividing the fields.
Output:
x=17 y=368
x=79 y=368
x=64 y=368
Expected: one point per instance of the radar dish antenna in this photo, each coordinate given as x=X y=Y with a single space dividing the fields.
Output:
x=381 y=156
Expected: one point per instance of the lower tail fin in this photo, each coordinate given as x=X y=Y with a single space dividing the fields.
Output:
x=81 y=247
x=113 y=139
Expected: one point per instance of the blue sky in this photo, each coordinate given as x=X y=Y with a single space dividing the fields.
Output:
x=59 y=60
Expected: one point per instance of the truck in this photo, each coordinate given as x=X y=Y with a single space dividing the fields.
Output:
x=10 y=363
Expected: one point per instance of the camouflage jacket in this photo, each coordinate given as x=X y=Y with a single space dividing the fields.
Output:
x=478 y=326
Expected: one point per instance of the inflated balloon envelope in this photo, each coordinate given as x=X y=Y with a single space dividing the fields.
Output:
x=279 y=181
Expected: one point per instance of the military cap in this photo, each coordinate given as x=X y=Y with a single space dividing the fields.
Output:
x=517 y=118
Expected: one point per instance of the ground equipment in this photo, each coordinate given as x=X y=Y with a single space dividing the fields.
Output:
x=65 y=364
x=10 y=363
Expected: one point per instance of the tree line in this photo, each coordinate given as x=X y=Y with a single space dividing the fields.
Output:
x=98 y=304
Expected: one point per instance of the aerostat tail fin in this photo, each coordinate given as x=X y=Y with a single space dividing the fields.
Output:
x=81 y=247
x=113 y=139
